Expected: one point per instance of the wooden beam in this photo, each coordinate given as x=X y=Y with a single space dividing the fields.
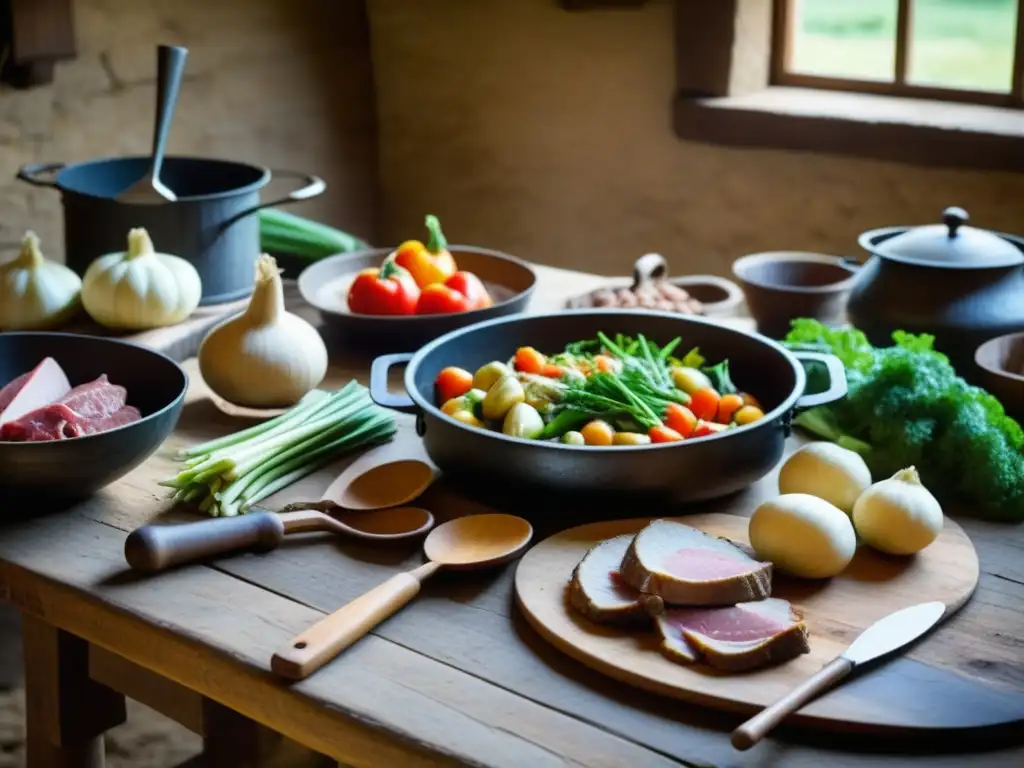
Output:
x=723 y=48
x=903 y=41
x=1017 y=89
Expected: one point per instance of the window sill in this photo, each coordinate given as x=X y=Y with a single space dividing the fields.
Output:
x=917 y=131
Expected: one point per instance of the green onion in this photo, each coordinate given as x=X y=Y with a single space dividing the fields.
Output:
x=283 y=232
x=228 y=475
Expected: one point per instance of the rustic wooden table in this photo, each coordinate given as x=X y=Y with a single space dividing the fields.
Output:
x=457 y=678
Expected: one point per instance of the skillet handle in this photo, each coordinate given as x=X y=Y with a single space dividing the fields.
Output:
x=379 y=370
x=837 y=379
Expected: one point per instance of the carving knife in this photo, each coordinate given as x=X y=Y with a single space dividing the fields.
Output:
x=885 y=636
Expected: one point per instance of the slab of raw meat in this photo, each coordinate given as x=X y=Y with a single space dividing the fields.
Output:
x=735 y=638
x=685 y=566
x=86 y=409
x=44 y=384
x=598 y=591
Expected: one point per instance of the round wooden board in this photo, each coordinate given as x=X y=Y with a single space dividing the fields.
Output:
x=835 y=610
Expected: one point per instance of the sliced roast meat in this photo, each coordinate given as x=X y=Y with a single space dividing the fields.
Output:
x=598 y=592
x=685 y=566
x=44 y=384
x=734 y=638
x=85 y=410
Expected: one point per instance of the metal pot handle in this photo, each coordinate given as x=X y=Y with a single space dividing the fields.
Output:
x=30 y=173
x=314 y=187
x=379 y=370
x=837 y=379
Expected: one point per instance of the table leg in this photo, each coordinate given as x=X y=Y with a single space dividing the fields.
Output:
x=66 y=713
x=231 y=740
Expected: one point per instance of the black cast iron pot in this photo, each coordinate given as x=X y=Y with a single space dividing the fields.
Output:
x=211 y=224
x=693 y=470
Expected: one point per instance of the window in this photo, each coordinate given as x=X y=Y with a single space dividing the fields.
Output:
x=955 y=50
x=927 y=82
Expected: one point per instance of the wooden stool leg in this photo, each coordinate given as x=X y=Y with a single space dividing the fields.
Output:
x=66 y=713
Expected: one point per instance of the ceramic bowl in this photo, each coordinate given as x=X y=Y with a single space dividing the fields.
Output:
x=324 y=285
x=781 y=286
x=1002 y=369
x=75 y=468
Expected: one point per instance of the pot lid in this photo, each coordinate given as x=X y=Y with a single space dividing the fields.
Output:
x=949 y=244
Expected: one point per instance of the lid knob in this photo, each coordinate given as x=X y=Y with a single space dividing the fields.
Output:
x=953 y=217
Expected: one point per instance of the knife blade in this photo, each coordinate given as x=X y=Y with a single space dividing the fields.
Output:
x=885 y=636
x=894 y=631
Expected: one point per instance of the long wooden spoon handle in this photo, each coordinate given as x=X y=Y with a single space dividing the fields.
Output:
x=755 y=729
x=330 y=636
x=155 y=548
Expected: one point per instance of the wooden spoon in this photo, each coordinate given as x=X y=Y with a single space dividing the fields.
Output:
x=154 y=548
x=392 y=484
x=466 y=543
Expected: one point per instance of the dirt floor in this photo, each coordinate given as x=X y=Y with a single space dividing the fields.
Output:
x=146 y=740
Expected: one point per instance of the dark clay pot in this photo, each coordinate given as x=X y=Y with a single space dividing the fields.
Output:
x=672 y=473
x=211 y=224
x=961 y=284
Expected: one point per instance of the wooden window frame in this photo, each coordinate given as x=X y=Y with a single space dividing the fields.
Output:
x=782 y=49
x=727 y=93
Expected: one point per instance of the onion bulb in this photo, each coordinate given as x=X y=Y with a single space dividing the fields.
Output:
x=265 y=357
x=803 y=535
x=828 y=471
x=899 y=515
x=36 y=294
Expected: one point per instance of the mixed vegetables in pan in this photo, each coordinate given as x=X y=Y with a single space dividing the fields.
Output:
x=603 y=391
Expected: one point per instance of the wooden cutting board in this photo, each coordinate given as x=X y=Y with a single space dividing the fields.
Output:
x=179 y=342
x=835 y=610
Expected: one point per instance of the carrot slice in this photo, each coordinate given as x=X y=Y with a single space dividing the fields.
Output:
x=680 y=418
x=529 y=360
x=453 y=382
x=727 y=406
x=704 y=403
x=663 y=434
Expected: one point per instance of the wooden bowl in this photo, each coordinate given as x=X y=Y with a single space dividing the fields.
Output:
x=1002 y=366
x=324 y=285
x=781 y=286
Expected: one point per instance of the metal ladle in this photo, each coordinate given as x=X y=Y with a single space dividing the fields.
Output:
x=170 y=66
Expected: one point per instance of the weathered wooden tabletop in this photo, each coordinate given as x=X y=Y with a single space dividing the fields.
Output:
x=457 y=677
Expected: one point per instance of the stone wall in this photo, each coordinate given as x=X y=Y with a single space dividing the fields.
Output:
x=547 y=133
x=281 y=83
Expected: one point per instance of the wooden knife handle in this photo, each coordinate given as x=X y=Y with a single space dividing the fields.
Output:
x=755 y=729
x=154 y=548
x=330 y=636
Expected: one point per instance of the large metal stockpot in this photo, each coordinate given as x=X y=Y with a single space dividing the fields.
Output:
x=211 y=224
x=692 y=470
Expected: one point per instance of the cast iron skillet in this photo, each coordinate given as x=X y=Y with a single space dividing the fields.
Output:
x=694 y=470
x=73 y=469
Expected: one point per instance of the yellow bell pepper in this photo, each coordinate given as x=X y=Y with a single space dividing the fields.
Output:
x=430 y=263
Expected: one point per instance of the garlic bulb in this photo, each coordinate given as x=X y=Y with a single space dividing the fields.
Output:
x=828 y=471
x=36 y=294
x=265 y=357
x=899 y=515
x=140 y=289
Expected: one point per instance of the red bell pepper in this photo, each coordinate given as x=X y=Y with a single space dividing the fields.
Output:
x=439 y=299
x=470 y=286
x=389 y=290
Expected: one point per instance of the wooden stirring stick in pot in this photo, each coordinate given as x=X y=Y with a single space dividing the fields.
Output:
x=465 y=543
